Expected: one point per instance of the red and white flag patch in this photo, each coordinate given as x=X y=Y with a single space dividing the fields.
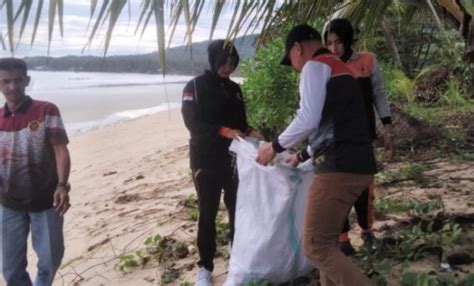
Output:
x=188 y=96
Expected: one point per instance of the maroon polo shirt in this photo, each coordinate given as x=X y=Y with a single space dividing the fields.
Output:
x=28 y=175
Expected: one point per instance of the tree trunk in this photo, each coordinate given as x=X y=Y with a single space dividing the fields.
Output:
x=470 y=41
x=392 y=46
x=470 y=52
x=472 y=84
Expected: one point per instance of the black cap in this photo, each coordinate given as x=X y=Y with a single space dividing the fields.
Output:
x=298 y=34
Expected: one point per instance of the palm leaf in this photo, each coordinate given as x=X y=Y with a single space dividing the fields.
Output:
x=262 y=11
x=19 y=10
x=93 y=7
x=102 y=11
x=469 y=6
x=2 y=41
x=39 y=9
x=177 y=10
x=145 y=7
x=246 y=10
x=187 y=20
x=60 y=17
x=51 y=17
x=215 y=17
x=115 y=10
x=369 y=14
x=438 y=21
x=27 y=8
x=10 y=24
x=198 y=5
x=234 y=16
x=160 y=32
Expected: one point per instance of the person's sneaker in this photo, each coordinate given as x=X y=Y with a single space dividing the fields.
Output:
x=370 y=241
x=203 y=277
x=346 y=248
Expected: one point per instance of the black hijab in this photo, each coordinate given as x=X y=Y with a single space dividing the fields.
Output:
x=343 y=29
x=219 y=52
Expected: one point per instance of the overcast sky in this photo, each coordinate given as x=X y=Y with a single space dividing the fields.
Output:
x=76 y=19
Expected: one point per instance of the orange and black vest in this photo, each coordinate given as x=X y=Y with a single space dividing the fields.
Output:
x=361 y=67
x=344 y=109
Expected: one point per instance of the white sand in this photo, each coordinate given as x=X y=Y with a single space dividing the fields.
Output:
x=127 y=181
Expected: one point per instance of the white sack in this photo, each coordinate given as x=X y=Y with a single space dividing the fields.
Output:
x=269 y=219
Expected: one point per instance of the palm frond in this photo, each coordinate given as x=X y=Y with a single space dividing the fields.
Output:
x=433 y=10
x=187 y=19
x=51 y=17
x=114 y=12
x=39 y=9
x=2 y=41
x=145 y=7
x=60 y=17
x=469 y=6
x=27 y=8
x=177 y=10
x=102 y=11
x=160 y=32
x=10 y=24
x=216 y=16
x=368 y=14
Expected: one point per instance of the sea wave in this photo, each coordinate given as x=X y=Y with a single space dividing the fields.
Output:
x=119 y=117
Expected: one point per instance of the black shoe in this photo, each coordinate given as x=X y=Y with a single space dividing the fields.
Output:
x=370 y=241
x=346 y=248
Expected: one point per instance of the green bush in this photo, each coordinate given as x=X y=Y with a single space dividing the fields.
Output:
x=397 y=85
x=454 y=95
x=270 y=90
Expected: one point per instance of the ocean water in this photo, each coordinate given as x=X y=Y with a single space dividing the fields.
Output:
x=89 y=100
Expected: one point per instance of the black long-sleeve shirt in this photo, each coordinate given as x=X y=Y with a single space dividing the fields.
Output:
x=211 y=103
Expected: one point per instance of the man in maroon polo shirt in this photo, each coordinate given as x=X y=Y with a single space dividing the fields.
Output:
x=34 y=172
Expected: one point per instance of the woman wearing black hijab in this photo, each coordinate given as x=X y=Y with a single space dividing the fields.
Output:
x=214 y=113
x=339 y=38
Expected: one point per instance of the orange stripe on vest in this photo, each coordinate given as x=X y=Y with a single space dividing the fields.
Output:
x=336 y=65
x=362 y=65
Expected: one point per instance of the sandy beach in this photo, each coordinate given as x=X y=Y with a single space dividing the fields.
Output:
x=127 y=184
x=130 y=182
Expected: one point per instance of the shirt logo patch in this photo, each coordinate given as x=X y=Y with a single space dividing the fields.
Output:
x=188 y=96
x=33 y=126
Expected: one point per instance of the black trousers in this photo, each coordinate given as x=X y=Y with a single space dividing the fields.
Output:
x=209 y=186
x=364 y=209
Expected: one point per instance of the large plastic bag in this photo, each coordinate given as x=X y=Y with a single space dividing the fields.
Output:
x=269 y=219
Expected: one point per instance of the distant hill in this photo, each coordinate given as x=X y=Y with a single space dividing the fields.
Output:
x=178 y=60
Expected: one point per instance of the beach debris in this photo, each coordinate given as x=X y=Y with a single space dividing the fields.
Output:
x=109 y=173
x=139 y=177
x=123 y=199
x=149 y=279
x=98 y=244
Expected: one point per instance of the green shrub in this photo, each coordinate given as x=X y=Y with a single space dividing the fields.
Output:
x=406 y=89
x=454 y=95
x=391 y=75
x=270 y=89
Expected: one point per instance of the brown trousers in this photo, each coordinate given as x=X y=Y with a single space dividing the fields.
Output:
x=330 y=199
